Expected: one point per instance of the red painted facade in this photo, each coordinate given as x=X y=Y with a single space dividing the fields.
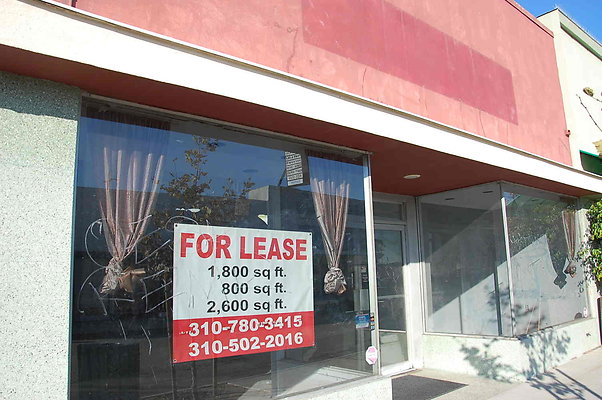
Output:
x=482 y=66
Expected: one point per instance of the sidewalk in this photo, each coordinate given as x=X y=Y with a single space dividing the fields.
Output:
x=579 y=379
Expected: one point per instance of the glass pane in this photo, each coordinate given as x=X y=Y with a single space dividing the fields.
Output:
x=389 y=212
x=467 y=278
x=389 y=271
x=548 y=287
x=140 y=174
x=391 y=300
x=393 y=348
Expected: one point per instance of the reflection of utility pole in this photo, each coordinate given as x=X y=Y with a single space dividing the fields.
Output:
x=282 y=177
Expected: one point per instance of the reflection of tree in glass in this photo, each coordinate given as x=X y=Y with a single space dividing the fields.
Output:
x=379 y=249
x=519 y=312
x=189 y=187
x=188 y=203
x=529 y=219
x=388 y=269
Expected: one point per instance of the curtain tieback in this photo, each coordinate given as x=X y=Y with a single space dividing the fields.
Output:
x=334 y=281
x=571 y=269
x=111 y=279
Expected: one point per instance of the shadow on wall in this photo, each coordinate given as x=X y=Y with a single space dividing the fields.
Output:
x=544 y=351
x=487 y=363
x=25 y=95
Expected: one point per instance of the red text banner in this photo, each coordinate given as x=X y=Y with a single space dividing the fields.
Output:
x=206 y=338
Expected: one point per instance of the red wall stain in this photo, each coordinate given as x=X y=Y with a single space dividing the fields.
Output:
x=395 y=42
x=481 y=66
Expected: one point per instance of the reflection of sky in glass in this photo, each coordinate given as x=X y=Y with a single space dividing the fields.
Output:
x=240 y=162
x=510 y=197
x=95 y=135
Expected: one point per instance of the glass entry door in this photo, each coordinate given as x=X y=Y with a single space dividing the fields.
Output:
x=390 y=248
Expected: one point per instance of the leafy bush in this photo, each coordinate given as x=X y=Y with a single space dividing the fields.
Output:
x=591 y=253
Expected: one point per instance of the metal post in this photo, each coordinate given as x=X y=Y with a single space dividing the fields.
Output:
x=508 y=259
x=371 y=260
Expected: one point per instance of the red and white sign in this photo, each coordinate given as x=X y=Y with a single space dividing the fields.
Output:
x=371 y=355
x=240 y=291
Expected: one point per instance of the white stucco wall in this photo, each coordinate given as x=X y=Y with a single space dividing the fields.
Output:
x=578 y=68
x=38 y=126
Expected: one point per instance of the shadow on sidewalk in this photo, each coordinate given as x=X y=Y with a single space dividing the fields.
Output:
x=573 y=389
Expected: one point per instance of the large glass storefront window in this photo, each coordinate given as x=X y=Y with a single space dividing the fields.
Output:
x=466 y=271
x=471 y=287
x=548 y=285
x=140 y=178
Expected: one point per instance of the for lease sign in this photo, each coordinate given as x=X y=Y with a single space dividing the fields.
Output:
x=240 y=291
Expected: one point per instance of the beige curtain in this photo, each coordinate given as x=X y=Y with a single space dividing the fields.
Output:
x=569 y=221
x=126 y=212
x=128 y=150
x=331 y=201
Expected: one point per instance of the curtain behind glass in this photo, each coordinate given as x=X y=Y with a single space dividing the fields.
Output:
x=128 y=153
x=121 y=340
x=330 y=193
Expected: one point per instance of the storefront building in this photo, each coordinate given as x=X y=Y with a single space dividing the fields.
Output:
x=206 y=199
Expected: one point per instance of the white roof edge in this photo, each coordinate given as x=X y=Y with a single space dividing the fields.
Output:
x=580 y=34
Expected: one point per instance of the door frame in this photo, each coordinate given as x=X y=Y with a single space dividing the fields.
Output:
x=412 y=278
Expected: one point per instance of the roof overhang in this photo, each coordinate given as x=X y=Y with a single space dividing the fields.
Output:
x=50 y=41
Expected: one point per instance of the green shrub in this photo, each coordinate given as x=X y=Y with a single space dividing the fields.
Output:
x=591 y=252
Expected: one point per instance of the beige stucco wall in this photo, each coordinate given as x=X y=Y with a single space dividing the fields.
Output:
x=578 y=68
x=38 y=126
